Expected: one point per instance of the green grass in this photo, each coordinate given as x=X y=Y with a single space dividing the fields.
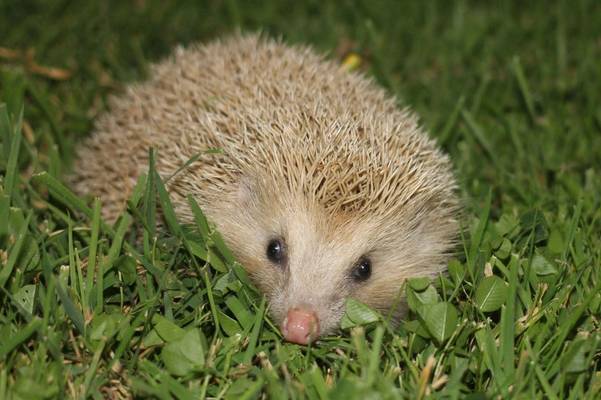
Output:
x=512 y=90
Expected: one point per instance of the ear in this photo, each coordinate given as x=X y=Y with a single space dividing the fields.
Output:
x=244 y=193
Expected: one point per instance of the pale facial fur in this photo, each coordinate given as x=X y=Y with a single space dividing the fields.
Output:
x=322 y=158
x=322 y=250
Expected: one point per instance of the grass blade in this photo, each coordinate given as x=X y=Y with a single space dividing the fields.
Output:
x=518 y=71
x=11 y=167
x=15 y=251
x=478 y=236
x=62 y=193
x=254 y=335
x=20 y=336
x=93 y=248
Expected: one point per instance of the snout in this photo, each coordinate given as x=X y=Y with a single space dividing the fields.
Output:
x=301 y=325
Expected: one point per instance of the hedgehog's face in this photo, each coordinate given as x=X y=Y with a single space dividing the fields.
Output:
x=310 y=267
x=308 y=263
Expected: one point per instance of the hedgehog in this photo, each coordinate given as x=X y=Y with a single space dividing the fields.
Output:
x=324 y=188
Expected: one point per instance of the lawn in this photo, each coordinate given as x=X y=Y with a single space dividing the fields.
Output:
x=511 y=90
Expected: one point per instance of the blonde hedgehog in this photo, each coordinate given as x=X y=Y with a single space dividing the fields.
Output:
x=324 y=189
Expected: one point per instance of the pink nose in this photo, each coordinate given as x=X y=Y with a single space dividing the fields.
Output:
x=300 y=326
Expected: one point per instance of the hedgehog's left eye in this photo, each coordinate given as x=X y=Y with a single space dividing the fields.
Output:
x=362 y=271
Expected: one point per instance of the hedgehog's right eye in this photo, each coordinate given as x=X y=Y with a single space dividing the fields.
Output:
x=276 y=251
x=362 y=271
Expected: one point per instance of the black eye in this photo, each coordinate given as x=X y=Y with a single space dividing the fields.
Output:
x=362 y=270
x=276 y=251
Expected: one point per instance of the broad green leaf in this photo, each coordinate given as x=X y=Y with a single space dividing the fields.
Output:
x=229 y=325
x=418 y=299
x=345 y=322
x=166 y=329
x=25 y=297
x=152 y=339
x=359 y=313
x=418 y=327
x=506 y=225
x=184 y=355
x=440 y=320
x=504 y=250
x=418 y=284
x=104 y=327
x=491 y=293
x=542 y=266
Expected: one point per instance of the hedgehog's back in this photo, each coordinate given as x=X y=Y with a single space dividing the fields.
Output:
x=279 y=112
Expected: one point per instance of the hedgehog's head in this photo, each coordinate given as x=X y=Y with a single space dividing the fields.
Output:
x=308 y=259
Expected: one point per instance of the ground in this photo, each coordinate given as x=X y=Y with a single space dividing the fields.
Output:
x=511 y=90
